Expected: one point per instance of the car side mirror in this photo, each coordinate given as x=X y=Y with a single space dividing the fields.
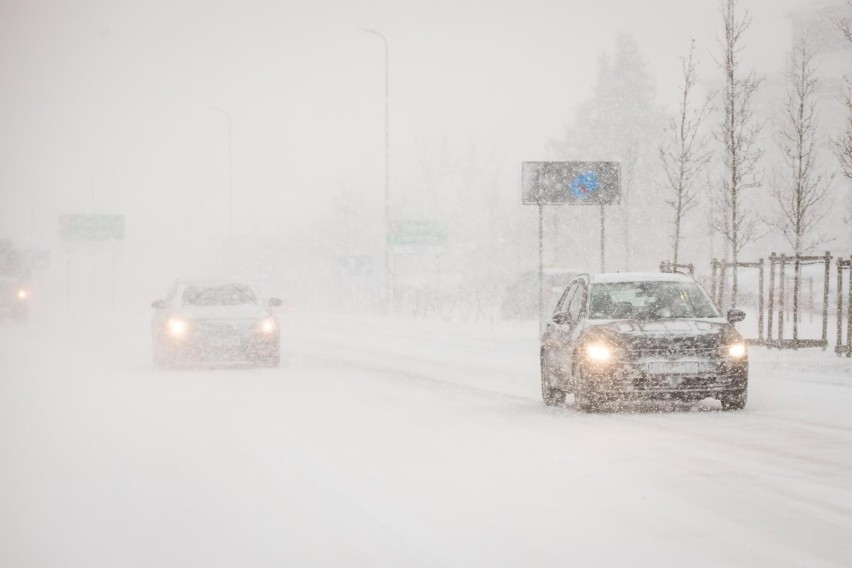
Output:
x=735 y=316
x=274 y=302
x=158 y=304
x=562 y=318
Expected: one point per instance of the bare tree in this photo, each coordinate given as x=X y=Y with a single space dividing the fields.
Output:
x=803 y=190
x=842 y=145
x=683 y=153
x=845 y=24
x=739 y=134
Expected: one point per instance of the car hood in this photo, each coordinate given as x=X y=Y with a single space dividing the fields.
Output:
x=662 y=332
x=238 y=312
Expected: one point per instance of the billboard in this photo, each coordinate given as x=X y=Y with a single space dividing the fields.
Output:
x=571 y=183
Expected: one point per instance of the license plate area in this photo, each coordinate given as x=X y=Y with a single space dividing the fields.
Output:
x=224 y=342
x=676 y=367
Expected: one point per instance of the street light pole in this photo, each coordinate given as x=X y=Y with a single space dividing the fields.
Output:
x=230 y=179
x=387 y=164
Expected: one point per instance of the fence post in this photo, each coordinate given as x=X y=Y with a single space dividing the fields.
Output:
x=713 y=268
x=796 y=276
x=781 y=299
x=849 y=315
x=760 y=302
x=839 y=341
x=770 y=315
x=824 y=299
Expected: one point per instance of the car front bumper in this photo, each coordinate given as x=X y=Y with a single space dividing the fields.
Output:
x=634 y=381
x=220 y=349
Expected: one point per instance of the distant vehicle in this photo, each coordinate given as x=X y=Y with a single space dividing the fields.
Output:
x=15 y=291
x=217 y=322
x=521 y=301
x=641 y=336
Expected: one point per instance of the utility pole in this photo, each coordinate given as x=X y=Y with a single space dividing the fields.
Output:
x=387 y=164
x=230 y=179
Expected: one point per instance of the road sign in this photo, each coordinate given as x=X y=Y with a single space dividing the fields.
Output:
x=91 y=227
x=417 y=233
x=38 y=259
x=570 y=183
x=355 y=265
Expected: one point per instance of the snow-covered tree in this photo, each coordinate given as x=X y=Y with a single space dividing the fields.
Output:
x=620 y=122
x=684 y=152
x=842 y=145
x=739 y=135
x=803 y=189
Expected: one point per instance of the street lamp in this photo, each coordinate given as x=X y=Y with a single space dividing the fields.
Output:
x=230 y=180
x=387 y=163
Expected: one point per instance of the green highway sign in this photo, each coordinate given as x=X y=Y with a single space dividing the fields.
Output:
x=91 y=227
x=417 y=233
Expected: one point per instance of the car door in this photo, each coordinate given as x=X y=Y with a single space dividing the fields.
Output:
x=556 y=335
x=577 y=312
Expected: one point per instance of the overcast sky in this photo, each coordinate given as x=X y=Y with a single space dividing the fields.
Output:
x=112 y=106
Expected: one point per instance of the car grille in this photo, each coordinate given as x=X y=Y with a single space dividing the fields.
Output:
x=674 y=353
x=222 y=328
x=675 y=382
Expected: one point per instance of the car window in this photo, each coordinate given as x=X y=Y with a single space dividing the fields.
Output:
x=576 y=305
x=562 y=304
x=650 y=300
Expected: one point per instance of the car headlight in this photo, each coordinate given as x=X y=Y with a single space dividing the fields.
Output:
x=598 y=352
x=268 y=325
x=23 y=294
x=737 y=350
x=177 y=327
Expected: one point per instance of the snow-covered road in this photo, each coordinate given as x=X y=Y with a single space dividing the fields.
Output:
x=391 y=443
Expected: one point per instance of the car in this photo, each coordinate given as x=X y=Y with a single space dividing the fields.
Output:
x=15 y=292
x=633 y=336
x=14 y=298
x=521 y=299
x=215 y=321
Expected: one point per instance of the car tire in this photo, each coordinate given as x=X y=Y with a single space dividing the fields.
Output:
x=273 y=360
x=734 y=401
x=584 y=400
x=551 y=396
x=161 y=359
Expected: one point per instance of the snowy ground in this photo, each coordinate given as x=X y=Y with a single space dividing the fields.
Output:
x=391 y=443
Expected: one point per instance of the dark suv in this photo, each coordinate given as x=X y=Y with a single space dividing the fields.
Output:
x=641 y=336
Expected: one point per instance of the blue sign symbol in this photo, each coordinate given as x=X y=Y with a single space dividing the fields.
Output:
x=585 y=185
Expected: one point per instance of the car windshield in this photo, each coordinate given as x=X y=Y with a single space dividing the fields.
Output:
x=650 y=300
x=223 y=295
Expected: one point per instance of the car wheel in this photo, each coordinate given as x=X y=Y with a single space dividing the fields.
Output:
x=162 y=360
x=584 y=399
x=273 y=360
x=551 y=396
x=735 y=401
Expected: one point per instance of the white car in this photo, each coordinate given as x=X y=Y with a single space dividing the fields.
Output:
x=215 y=321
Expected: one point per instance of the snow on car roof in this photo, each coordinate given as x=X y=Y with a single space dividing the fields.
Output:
x=639 y=277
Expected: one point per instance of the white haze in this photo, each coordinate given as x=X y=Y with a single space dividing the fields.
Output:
x=398 y=433
x=111 y=107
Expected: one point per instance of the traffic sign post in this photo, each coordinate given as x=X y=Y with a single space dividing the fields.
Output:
x=571 y=183
x=568 y=183
x=90 y=230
